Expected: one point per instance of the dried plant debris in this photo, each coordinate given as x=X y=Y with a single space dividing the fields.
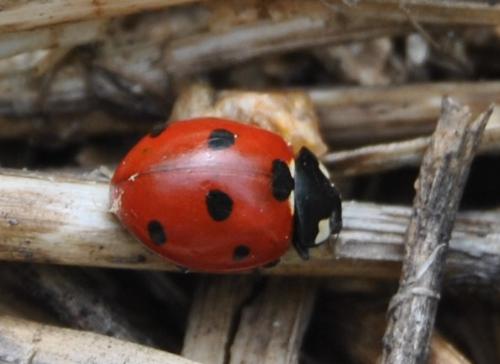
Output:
x=353 y=325
x=289 y=114
x=27 y=341
x=359 y=82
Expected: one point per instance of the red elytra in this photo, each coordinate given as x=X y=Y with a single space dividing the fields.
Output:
x=208 y=194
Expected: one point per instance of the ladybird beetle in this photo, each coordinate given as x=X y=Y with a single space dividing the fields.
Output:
x=217 y=195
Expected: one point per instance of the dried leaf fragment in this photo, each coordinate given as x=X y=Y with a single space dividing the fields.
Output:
x=290 y=114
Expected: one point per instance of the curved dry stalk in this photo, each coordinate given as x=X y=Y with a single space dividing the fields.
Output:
x=279 y=317
x=210 y=333
x=257 y=322
x=435 y=11
x=388 y=156
x=51 y=219
x=29 y=15
x=367 y=115
x=29 y=342
x=215 y=49
x=57 y=36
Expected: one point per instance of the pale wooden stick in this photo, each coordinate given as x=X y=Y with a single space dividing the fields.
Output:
x=34 y=14
x=29 y=342
x=46 y=218
x=57 y=36
x=272 y=326
x=253 y=323
x=376 y=158
x=348 y=115
x=443 y=174
x=214 y=49
x=303 y=25
x=436 y=11
x=366 y=115
x=90 y=125
x=387 y=156
x=214 y=316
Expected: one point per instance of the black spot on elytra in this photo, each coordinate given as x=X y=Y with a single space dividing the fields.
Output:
x=157 y=130
x=220 y=139
x=282 y=181
x=219 y=205
x=156 y=232
x=241 y=252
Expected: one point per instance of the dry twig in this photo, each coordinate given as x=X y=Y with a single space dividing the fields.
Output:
x=35 y=14
x=272 y=327
x=57 y=36
x=384 y=157
x=28 y=342
x=367 y=115
x=264 y=37
x=439 y=188
x=213 y=318
x=63 y=220
x=348 y=116
x=482 y=12
x=253 y=322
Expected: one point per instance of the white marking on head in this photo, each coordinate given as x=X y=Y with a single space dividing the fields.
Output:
x=324 y=231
